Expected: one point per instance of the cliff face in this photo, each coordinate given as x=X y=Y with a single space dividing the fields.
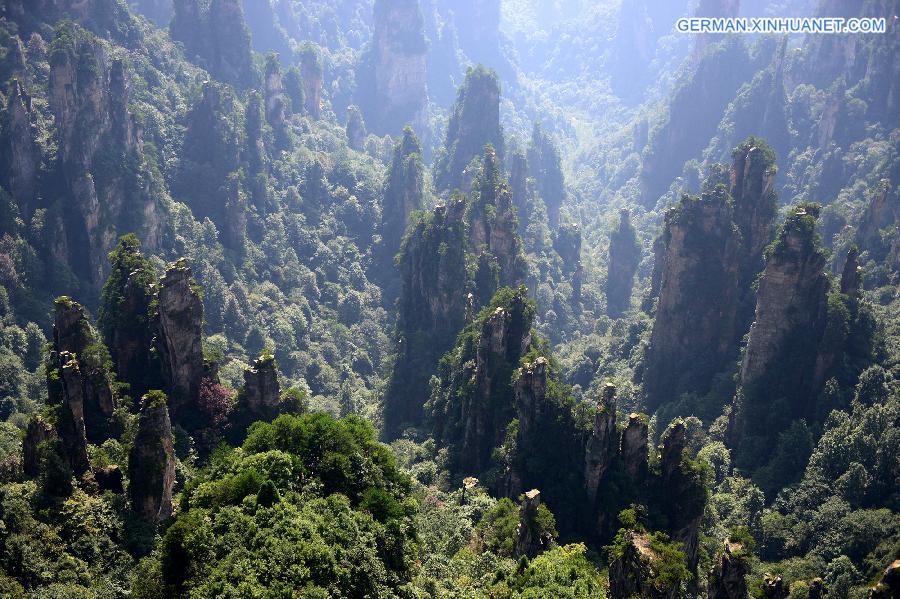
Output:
x=728 y=578
x=23 y=155
x=544 y=165
x=492 y=230
x=276 y=104
x=474 y=123
x=403 y=192
x=431 y=308
x=38 y=432
x=151 y=463
x=624 y=257
x=262 y=391
x=531 y=540
x=400 y=49
x=632 y=573
x=779 y=361
x=312 y=78
x=79 y=382
x=694 y=330
x=603 y=444
x=356 y=129
x=124 y=316
x=178 y=324
x=755 y=204
x=473 y=401
x=89 y=95
x=216 y=36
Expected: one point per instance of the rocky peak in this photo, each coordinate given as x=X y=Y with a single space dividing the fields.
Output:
x=493 y=222
x=634 y=446
x=179 y=321
x=851 y=276
x=521 y=189
x=889 y=585
x=71 y=425
x=632 y=572
x=151 y=463
x=312 y=76
x=881 y=212
x=624 y=258
x=24 y=157
x=475 y=397
x=38 y=432
x=404 y=190
x=567 y=243
x=603 y=444
x=83 y=384
x=262 y=392
x=474 y=123
x=753 y=195
x=531 y=540
x=545 y=166
x=215 y=34
x=673 y=448
x=780 y=358
x=356 y=129
x=694 y=331
x=728 y=578
x=431 y=308
x=276 y=105
x=773 y=587
x=400 y=49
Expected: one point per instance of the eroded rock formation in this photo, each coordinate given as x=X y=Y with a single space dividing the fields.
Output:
x=531 y=539
x=632 y=573
x=404 y=191
x=312 y=76
x=474 y=123
x=694 y=331
x=431 y=307
x=728 y=578
x=624 y=257
x=178 y=323
x=38 y=432
x=23 y=156
x=399 y=48
x=262 y=392
x=79 y=382
x=151 y=463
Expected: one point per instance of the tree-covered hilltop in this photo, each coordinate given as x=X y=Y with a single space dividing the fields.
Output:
x=482 y=298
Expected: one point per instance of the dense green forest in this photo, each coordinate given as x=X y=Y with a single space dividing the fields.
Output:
x=447 y=298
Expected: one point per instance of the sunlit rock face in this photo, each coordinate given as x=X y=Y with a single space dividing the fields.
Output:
x=151 y=463
x=400 y=50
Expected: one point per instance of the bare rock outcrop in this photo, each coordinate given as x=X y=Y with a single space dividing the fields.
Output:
x=531 y=538
x=728 y=579
x=38 y=432
x=24 y=157
x=178 y=324
x=624 y=257
x=603 y=444
x=151 y=463
x=312 y=77
x=694 y=330
x=399 y=64
x=632 y=573
x=889 y=585
x=262 y=392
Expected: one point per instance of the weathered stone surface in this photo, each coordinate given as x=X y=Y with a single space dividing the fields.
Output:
x=603 y=444
x=694 y=333
x=624 y=257
x=313 y=81
x=530 y=540
x=790 y=299
x=179 y=322
x=851 y=275
x=755 y=203
x=474 y=123
x=276 y=101
x=24 y=158
x=431 y=308
x=71 y=426
x=728 y=578
x=38 y=432
x=774 y=588
x=262 y=392
x=631 y=574
x=404 y=191
x=634 y=446
x=356 y=129
x=151 y=463
x=400 y=50
x=88 y=95
x=889 y=585
x=86 y=386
